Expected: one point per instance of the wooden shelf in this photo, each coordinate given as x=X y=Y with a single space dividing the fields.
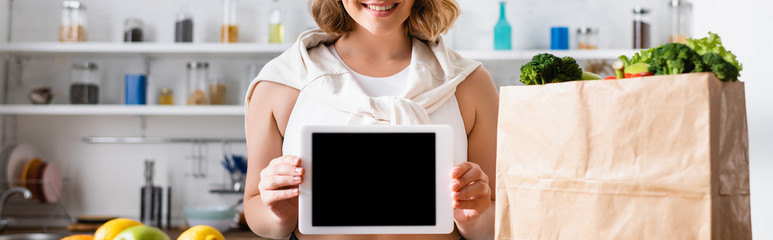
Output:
x=122 y=110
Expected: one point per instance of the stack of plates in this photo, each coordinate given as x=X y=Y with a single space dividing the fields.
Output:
x=25 y=169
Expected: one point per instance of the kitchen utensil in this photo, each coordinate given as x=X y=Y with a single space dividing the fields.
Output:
x=5 y=154
x=220 y=217
x=36 y=184
x=20 y=155
x=51 y=183
x=150 y=198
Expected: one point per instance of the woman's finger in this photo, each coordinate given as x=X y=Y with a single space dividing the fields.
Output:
x=282 y=169
x=461 y=169
x=287 y=159
x=478 y=204
x=272 y=196
x=471 y=192
x=278 y=182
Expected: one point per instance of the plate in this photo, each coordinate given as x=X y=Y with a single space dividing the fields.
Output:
x=28 y=172
x=35 y=184
x=51 y=183
x=19 y=156
x=4 y=155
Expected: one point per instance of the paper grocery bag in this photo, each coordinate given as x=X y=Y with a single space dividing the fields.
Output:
x=663 y=157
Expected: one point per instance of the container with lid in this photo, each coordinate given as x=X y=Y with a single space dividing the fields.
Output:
x=73 y=25
x=502 y=30
x=276 y=29
x=641 y=28
x=84 y=83
x=229 y=31
x=681 y=20
x=183 y=27
x=132 y=30
x=198 y=76
x=166 y=97
x=587 y=38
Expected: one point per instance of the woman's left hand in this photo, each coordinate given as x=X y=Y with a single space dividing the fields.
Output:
x=470 y=190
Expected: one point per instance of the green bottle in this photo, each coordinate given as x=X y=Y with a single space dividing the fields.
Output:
x=502 y=31
x=276 y=30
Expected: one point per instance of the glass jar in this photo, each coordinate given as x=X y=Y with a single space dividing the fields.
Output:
x=681 y=21
x=198 y=75
x=85 y=82
x=166 y=97
x=587 y=38
x=73 y=25
x=132 y=30
x=229 y=32
x=183 y=27
x=641 y=28
x=217 y=92
x=276 y=29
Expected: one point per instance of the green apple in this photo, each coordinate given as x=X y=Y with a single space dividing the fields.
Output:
x=142 y=232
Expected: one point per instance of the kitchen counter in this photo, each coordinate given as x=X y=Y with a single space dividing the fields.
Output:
x=235 y=234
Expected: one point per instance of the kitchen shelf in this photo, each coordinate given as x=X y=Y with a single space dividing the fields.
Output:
x=148 y=49
x=255 y=49
x=526 y=55
x=122 y=110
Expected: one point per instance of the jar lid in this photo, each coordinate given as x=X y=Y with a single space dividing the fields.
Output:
x=640 y=10
x=587 y=30
x=166 y=91
x=678 y=3
x=196 y=65
x=85 y=66
x=73 y=5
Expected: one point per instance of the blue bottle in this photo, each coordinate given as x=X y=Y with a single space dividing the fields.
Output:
x=502 y=31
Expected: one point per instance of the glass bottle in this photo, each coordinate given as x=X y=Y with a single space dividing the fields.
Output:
x=587 y=38
x=183 y=27
x=641 y=29
x=681 y=21
x=132 y=30
x=198 y=75
x=84 y=83
x=217 y=92
x=276 y=28
x=502 y=31
x=229 y=31
x=73 y=25
x=166 y=97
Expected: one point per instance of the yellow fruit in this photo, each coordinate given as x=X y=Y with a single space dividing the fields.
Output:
x=112 y=228
x=79 y=237
x=201 y=232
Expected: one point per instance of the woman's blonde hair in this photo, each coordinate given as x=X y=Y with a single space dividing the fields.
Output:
x=428 y=19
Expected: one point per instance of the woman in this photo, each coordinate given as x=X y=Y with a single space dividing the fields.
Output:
x=377 y=62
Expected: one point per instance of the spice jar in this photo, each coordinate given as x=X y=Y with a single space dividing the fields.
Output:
x=217 y=92
x=681 y=21
x=183 y=27
x=641 y=29
x=587 y=38
x=73 y=25
x=85 y=82
x=198 y=73
x=166 y=97
x=229 y=32
x=133 y=30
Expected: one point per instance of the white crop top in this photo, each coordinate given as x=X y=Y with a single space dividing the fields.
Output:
x=308 y=112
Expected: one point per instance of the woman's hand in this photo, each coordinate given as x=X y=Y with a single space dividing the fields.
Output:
x=471 y=192
x=279 y=186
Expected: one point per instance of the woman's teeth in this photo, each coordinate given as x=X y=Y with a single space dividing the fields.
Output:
x=381 y=8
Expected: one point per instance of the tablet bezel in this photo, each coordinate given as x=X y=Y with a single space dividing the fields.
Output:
x=444 y=223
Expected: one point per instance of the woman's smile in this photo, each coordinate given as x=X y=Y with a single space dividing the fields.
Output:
x=381 y=9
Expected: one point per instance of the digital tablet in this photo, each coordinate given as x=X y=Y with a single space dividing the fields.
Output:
x=376 y=180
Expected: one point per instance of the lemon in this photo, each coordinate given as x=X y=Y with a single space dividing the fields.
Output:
x=79 y=237
x=201 y=232
x=112 y=228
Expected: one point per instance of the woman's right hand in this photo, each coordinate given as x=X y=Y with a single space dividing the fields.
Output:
x=278 y=186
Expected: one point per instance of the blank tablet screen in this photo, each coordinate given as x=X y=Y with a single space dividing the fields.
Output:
x=373 y=179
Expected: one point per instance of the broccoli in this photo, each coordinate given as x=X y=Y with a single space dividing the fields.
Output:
x=547 y=68
x=717 y=64
x=675 y=58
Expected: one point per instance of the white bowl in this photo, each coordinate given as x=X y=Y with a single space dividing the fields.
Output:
x=221 y=218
